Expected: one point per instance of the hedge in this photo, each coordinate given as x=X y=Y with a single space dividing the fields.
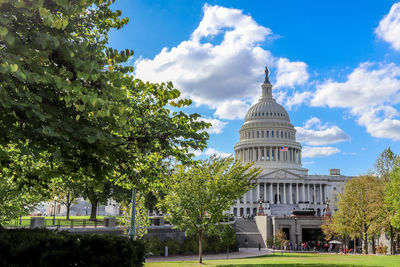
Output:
x=42 y=247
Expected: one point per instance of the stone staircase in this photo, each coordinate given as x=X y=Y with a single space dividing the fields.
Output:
x=247 y=230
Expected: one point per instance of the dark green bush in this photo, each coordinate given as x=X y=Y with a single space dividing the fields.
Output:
x=41 y=247
x=154 y=246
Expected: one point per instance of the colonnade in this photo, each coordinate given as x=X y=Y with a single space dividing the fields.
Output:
x=287 y=193
x=269 y=153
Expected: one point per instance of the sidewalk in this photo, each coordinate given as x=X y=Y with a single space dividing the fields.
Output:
x=242 y=253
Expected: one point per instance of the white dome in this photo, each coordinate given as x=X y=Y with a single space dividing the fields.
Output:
x=267 y=109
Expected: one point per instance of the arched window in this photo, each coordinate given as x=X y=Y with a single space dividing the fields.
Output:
x=267 y=134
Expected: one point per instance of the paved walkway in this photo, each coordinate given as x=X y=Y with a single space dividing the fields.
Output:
x=242 y=253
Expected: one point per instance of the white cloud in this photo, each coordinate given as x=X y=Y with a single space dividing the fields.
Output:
x=316 y=134
x=211 y=151
x=231 y=110
x=290 y=73
x=314 y=152
x=216 y=127
x=226 y=75
x=370 y=92
x=389 y=27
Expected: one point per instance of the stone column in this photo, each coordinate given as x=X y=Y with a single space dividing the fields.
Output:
x=271 y=193
x=284 y=193
x=297 y=193
x=277 y=194
x=291 y=193
x=270 y=153
x=254 y=154
x=308 y=194
x=299 y=158
x=265 y=192
x=258 y=192
x=251 y=196
x=321 y=200
x=315 y=195
x=304 y=192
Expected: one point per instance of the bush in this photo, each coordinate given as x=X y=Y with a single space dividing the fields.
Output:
x=41 y=247
x=381 y=249
x=154 y=246
x=173 y=247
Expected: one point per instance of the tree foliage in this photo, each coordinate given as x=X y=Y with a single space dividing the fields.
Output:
x=359 y=208
x=196 y=197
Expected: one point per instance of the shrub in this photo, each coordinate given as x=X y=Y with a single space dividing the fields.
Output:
x=154 y=246
x=41 y=247
x=381 y=249
x=173 y=247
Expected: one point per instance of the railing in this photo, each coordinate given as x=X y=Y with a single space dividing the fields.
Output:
x=60 y=223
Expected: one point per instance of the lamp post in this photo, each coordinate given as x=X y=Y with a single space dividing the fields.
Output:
x=132 y=231
x=54 y=213
x=296 y=233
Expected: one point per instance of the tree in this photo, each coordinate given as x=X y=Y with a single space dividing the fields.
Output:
x=20 y=186
x=384 y=163
x=196 y=197
x=65 y=191
x=228 y=237
x=392 y=200
x=280 y=239
x=359 y=207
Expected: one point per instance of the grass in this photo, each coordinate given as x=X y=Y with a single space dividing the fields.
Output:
x=293 y=260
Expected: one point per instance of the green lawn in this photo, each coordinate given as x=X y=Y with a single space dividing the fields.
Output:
x=294 y=259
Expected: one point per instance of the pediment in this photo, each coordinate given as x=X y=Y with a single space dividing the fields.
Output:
x=280 y=173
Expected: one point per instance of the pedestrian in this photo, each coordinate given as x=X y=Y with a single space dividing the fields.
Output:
x=259 y=247
x=246 y=243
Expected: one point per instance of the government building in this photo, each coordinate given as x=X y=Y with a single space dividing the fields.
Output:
x=285 y=196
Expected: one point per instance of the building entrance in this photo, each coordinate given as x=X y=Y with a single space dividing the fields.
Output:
x=312 y=234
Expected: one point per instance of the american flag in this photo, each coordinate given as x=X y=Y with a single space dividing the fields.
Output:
x=283 y=148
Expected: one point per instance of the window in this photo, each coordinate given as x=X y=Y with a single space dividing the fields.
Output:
x=285 y=134
x=267 y=134
x=258 y=134
x=253 y=134
x=281 y=134
x=262 y=134
x=272 y=133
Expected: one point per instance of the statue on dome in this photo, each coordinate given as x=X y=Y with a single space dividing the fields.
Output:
x=266 y=75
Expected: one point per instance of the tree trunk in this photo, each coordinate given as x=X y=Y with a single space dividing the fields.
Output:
x=68 y=206
x=373 y=245
x=200 y=247
x=366 y=242
x=93 y=212
x=391 y=241
x=227 y=252
x=355 y=245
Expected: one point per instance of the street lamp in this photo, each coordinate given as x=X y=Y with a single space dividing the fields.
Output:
x=297 y=234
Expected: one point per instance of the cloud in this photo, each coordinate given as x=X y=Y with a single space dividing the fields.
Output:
x=290 y=73
x=370 y=93
x=209 y=152
x=222 y=64
x=231 y=110
x=316 y=134
x=389 y=27
x=314 y=152
x=216 y=127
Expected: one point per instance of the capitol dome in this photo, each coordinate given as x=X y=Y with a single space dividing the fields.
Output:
x=267 y=136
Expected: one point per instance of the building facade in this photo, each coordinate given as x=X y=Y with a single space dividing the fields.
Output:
x=268 y=139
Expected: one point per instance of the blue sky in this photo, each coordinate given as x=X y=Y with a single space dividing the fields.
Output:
x=335 y=66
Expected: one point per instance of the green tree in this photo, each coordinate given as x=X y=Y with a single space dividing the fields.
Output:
x=280 y=239
x=392 y=200
x=196 y=197
x=228 y=237
x=65 y=191
x=359 y=207
x=384 y=163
